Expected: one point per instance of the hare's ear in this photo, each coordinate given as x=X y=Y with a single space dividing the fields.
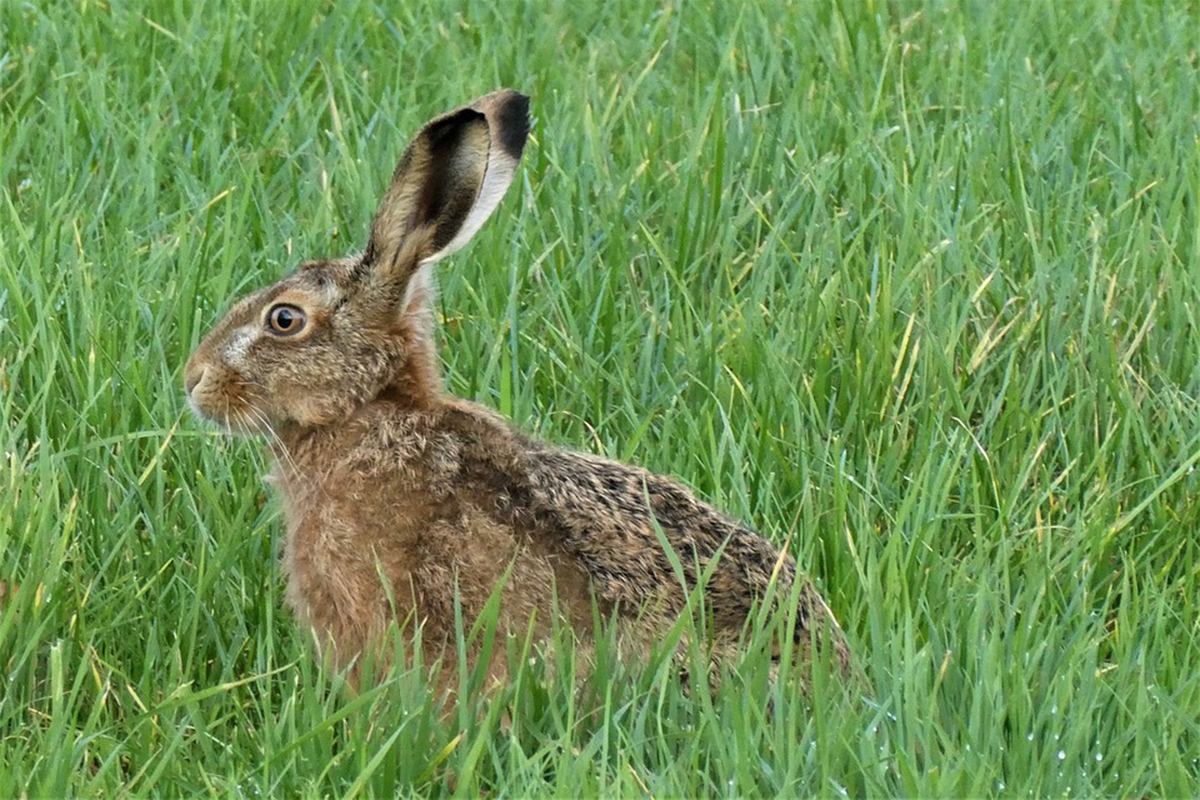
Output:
x=448 y=182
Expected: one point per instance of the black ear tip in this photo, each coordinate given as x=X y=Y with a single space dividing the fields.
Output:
x=512 y=122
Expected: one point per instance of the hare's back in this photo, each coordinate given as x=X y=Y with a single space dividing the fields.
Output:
x=613 y=518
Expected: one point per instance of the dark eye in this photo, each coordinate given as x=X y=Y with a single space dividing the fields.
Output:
x=286 y=320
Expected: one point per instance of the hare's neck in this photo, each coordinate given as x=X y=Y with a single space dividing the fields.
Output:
x=417 y=381
x=292 y=453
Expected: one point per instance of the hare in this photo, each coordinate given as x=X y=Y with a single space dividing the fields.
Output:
x=398 y=498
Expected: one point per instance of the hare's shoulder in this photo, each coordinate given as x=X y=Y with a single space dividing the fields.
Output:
x=455 y=454
x=386 y=441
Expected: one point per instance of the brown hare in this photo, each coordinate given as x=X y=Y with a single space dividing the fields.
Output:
x=398 y=498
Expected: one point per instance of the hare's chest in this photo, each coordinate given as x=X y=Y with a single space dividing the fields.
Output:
x=333 y=562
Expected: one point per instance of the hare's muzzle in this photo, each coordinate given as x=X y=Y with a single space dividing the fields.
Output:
x=209 y=392
x=218 y=394
x=198 y=383
x=192 y=377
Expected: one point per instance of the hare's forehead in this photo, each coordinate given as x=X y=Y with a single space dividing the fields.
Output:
x=337 y=272
x=311 y=288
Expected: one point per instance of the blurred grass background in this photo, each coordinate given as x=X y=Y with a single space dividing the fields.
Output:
x=913 y=286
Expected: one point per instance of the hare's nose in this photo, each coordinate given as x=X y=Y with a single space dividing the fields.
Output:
x=192 y=379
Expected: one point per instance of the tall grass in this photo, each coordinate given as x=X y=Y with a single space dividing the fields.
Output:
x=912 y=287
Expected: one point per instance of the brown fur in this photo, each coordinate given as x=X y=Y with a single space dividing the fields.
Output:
x=397 y=496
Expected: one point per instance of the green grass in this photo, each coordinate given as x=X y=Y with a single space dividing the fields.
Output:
x=915 y=286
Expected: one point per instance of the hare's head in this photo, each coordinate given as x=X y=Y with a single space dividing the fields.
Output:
x=336 y=334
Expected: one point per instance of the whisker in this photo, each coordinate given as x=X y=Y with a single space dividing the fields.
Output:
x=274 y=435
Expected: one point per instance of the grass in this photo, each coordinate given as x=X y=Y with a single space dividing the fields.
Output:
x=913 y=285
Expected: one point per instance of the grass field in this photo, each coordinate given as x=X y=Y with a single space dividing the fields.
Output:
x=913 y=287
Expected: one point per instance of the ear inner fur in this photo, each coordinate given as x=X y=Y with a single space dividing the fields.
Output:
x=434 y=186
x=458 y=161
x=447 y=184
x=507 y=114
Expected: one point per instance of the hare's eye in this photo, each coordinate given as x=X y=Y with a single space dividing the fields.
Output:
x=286 y=320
